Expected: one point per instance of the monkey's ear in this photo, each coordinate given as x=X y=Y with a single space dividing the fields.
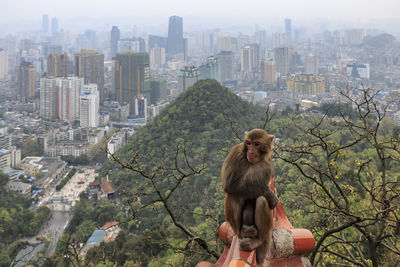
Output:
x=270 y=138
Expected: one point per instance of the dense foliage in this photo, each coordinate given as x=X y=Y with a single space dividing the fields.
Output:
x=65 y=180
x=16 y=220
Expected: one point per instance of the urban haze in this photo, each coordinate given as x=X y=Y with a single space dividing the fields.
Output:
x=76 y=76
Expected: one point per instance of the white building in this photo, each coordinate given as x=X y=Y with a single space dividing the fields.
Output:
x=89 y=106
x=48 y=98
x=69 y=91
x=157 y=57
x=59 y=98
x=3 y=65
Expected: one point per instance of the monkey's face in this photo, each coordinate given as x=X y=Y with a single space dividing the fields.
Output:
x=253 y=153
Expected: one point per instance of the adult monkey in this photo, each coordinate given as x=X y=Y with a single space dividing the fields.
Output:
x=249 y=201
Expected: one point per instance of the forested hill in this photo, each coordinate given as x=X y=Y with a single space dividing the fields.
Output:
x=199 y=118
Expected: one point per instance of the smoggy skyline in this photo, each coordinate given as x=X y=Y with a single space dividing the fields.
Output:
x=73 y=13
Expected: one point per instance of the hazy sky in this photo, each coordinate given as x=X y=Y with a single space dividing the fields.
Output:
x=250 y=11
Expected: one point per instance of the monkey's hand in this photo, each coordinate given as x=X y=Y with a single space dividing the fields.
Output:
x=271 y=198
x=248 y=231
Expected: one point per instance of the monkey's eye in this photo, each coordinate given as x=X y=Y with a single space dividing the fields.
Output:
x=256 y=143
x=248 y=143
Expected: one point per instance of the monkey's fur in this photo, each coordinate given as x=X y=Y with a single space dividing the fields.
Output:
x=249 y=200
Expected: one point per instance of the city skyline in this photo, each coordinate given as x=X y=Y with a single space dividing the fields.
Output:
x=74 y=14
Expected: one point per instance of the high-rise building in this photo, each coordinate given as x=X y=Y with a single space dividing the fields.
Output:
x=306 y=84
x=311 y=65
x=134 y=45
x=226 y=59
x=45 y=23
x=54 y=25
x=26 y=81
x=188 y=76
x=250 y=58
x=131 y=73
x=89 y=106
x=157 y=40
x=157 y=57
x=175 y=36
x=89 y=65
x=58 y=65
x=68 y=91
x=115 y=35
x=211 y=69
x=141 y=107
x=48 y=98
x=268 y=71
x=59 y=98
x=225 y=44
x=49 y=49
x=283 y=57
x=246 y=58
x=91 y=38
x=3 y=65
x=288 y=30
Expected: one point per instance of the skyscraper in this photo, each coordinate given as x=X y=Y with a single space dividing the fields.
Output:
x=68 y=91
x=48 y=98
x=3 y=64
x=115 y=35
x=58 y=65
x=226 y=59
x=91 y=39
x=175 y=35
x=59 y=98
x=311 y=65
x=45 y=23
x=89 y=65
x=288 y=30
x=283 y=60
x=268 y=71
x=131 y=73
x=188 y=76
x=211 y=69
x=157 y=57
x=26 y=81
x=89 y=106
x=54 y=25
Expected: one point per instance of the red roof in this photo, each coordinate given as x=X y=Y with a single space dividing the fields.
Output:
x=109 y=225
x=95 y=183
x=106 y=186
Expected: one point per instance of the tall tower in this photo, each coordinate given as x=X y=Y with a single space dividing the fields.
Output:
x=3 y=65
x=226 y=59
x=89 y=106
x=311 y=65
x=89 y=65
x=26 y=80
x=283 y=60
x=268 y=71
x=45 y=23
x=288 y=30
x=115 y=35
x=131 y=72
x=48 y=98
x=175 y=35
x=58 y=65
x=54 y=25
x=68 y=91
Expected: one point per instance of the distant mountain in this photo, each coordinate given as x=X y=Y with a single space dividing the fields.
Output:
x=380 y=41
